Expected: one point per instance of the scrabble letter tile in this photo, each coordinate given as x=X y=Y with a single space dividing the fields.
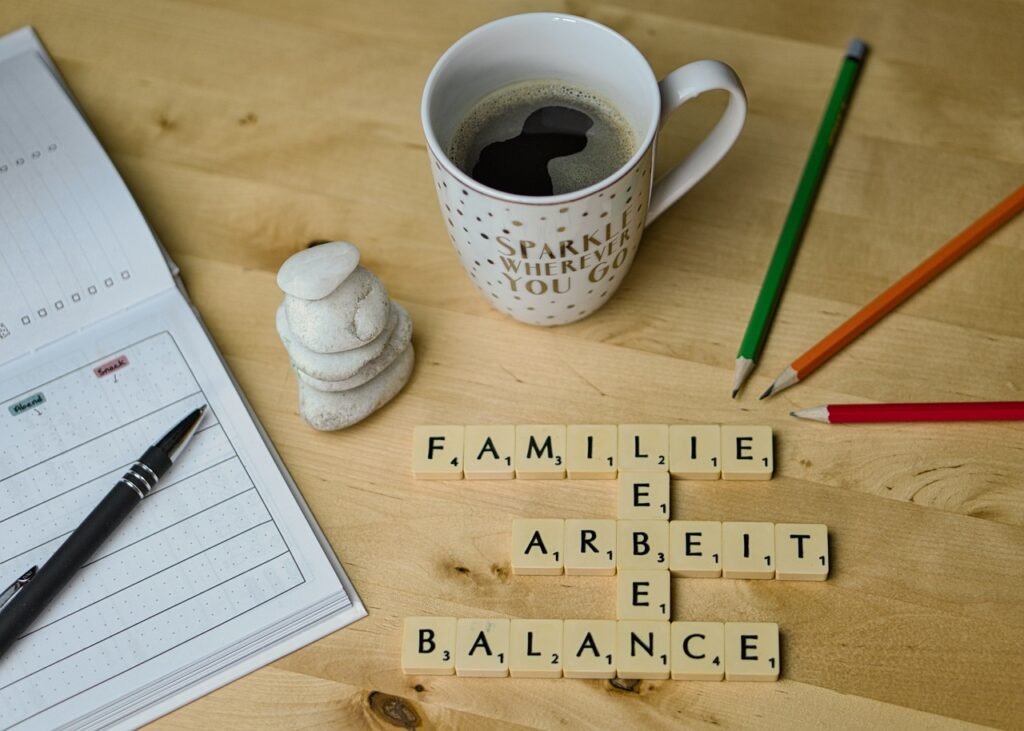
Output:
x=535 y=648
x=428 y=646
x=695 y=548
x=643 y=649
x=481 y=648
x=751 y=651
x=643 y=544
x=643 y=447
x=488 y=452
x=695 y=452
x=747 y=453
x=644 y=595
x=590 y=546
x=589 y=648
x=748 y=550
x=540 y=452
x=643 y=495
x=537 y=545
x=592 y=450
x=801 y=551
x=698 y=650
x=437 y=452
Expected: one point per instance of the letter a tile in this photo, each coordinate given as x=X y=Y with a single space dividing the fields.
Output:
x=537 y=546
x=489 y=451
x=589 y=646
x=481 y=648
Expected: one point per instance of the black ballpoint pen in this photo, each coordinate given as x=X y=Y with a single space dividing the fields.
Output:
x=33 y=591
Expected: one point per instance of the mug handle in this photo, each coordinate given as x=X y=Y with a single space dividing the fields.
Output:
x=678 y=87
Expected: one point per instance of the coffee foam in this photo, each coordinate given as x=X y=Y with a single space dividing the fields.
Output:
x=501 y=114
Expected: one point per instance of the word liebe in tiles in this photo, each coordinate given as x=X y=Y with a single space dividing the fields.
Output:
x=590 y=648
x=592 y=451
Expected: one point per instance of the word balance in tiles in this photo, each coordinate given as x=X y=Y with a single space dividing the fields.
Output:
x=592 y=451
x=591 y=648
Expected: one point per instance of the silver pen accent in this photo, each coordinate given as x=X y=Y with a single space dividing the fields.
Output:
x=179 y=441
x=16 y=586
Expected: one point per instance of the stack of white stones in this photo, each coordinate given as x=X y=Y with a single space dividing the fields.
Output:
x=350 y=345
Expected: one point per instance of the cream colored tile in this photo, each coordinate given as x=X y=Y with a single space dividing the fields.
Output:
x=801 y=551
x=643 y=496
x=752 y=651
x=643 y=595
x=592 y=451
x=698 y=651
x=643 y=447
x=540 y=451
x=643 y=544
x=695 y=548
x=437 y=452
x=748 y=550
x=589 y=648
x=489 y=452
x=535 y=648
x=747 y=453
x=537 y=545
x=643 y=649
x=481 y=648
x=590 y=546
x=428 y=646
x=695 y=451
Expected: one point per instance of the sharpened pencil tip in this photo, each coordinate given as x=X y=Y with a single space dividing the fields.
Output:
x=767 y=393
x=744 y=366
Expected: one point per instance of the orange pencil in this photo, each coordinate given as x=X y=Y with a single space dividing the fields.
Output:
x=897 y=293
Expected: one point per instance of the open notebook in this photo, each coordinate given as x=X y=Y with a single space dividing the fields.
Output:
x=222 y=569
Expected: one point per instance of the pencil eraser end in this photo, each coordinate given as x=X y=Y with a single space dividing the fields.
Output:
x=857 y=49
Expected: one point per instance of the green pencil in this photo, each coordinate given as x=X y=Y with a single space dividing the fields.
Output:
x=799 y=212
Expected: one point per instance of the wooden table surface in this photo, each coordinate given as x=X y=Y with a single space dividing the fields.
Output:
x=249 y=128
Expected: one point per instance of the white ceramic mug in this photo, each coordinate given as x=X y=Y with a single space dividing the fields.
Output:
x=551 y=260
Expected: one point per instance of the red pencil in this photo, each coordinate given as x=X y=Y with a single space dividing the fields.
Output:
x=868 y=413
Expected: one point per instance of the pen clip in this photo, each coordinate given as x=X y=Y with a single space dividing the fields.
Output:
x=17 y=586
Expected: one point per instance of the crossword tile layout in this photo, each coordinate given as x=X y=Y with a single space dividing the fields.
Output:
x=644 y=549
x=592 y=451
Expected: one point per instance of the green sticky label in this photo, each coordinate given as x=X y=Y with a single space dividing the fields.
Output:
x=27 y=403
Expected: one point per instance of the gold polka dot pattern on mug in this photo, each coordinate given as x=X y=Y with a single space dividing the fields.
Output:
x=543 y=262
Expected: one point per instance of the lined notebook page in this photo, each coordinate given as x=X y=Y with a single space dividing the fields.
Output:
x=73 y=246
x=219 y=552
x=221 y=570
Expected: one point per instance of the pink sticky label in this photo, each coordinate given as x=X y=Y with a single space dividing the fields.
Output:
x=115 y=364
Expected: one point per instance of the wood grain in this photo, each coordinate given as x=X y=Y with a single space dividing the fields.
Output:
x=249 y=128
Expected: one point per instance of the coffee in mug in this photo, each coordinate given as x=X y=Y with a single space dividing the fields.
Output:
x=542 y=137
